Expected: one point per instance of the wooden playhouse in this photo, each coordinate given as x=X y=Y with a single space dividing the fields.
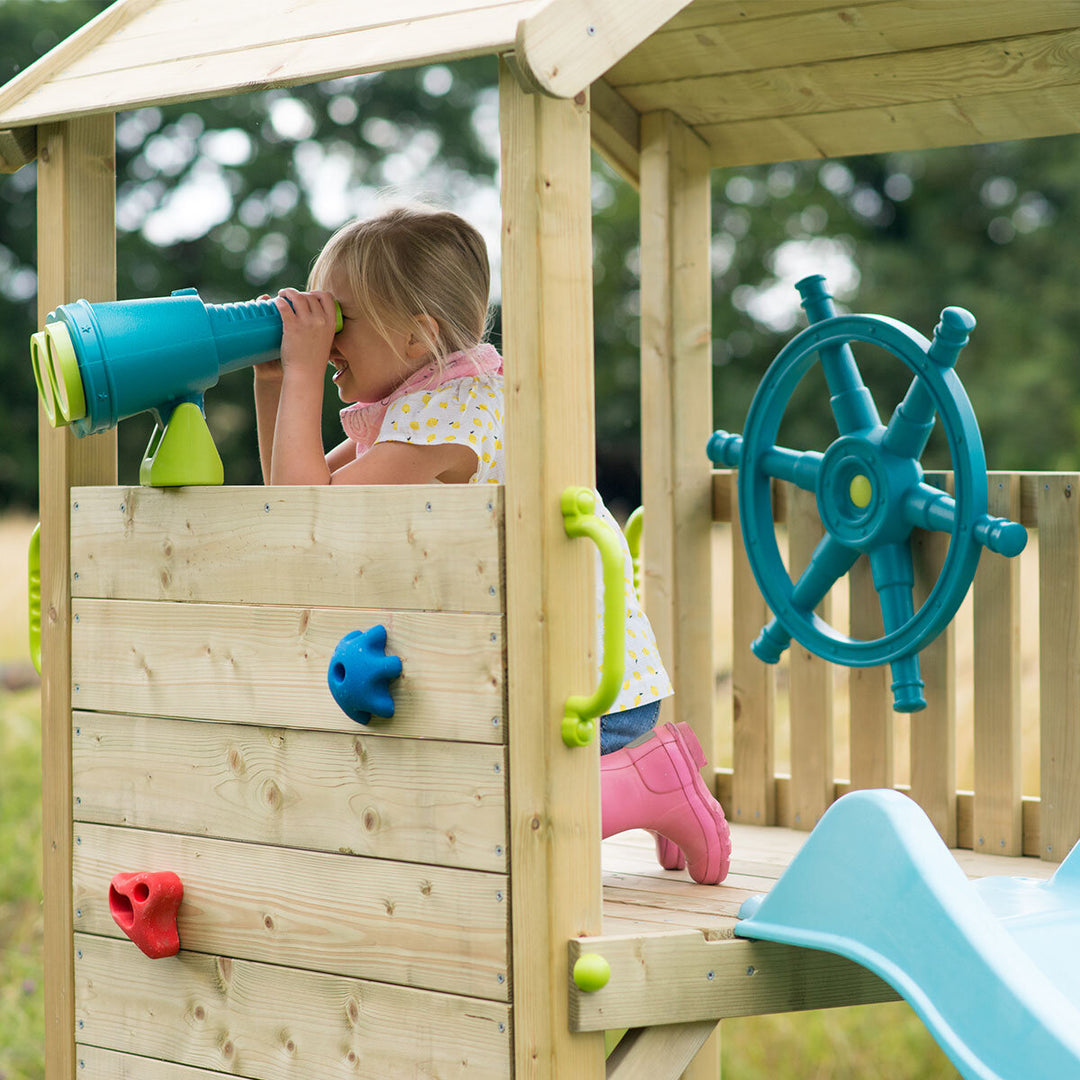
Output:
x=407 y=901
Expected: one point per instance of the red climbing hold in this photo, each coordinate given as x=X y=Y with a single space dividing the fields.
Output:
x=144 y=906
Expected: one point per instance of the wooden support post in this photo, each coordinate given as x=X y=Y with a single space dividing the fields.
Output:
x=1057 y=498
x=998 y=792
x=676 y=410
x=76 y=258
x=554 y=791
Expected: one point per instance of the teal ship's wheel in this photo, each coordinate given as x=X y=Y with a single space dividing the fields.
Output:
x=869 y=487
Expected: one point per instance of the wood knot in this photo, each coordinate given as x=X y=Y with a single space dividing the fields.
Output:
x=370 y=819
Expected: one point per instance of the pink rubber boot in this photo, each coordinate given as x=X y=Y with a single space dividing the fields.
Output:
x=653 y=783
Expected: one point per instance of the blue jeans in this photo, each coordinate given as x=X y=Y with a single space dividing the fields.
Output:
x=619 y=728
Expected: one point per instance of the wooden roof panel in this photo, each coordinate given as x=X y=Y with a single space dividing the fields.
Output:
x=181 y=51
x=814 y=32
x=774 y=80
x=759 y=80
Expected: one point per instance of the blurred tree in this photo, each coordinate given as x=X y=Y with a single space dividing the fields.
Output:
x=237 y=194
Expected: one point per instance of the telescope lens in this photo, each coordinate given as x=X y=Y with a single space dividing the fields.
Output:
x=63 y=369
x=39 y=355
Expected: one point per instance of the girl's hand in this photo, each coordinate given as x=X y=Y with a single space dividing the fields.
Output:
x=269 y=370
x=308 y=320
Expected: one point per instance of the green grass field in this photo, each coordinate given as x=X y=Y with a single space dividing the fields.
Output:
x=877 y=1042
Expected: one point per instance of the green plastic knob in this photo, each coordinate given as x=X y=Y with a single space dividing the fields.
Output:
x=591 y=972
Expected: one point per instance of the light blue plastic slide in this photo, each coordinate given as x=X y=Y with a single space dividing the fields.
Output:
x=991 y=966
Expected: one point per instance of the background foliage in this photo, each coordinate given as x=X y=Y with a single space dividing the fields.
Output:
x=236 y=195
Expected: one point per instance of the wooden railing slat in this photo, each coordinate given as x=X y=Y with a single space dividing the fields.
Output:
x=996 y=600
x=812 y=771
x=1058 y=500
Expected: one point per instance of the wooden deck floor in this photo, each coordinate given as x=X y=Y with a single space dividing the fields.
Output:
x=672 y=952
x=639 y=896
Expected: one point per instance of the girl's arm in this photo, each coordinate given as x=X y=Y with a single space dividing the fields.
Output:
x=406 y=463
x=267 y=396
x=297 y=455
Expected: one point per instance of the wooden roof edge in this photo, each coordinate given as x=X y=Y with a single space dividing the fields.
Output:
x=18 y=147
x=565 y=46
x=69 y=50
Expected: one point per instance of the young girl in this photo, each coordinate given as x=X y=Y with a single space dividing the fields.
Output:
x=424 y=398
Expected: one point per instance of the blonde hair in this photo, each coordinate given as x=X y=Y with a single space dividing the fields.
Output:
x=413 y=261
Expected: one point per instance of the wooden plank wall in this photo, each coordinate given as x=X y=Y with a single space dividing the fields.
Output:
x=996 y=817
x=343 y=883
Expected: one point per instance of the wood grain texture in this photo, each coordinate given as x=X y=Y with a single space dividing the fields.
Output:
x=869 y=693
x=144 y=67
x=766 y=38
x=550 y=445
x=753 y=796
x=76 y=257
x=420 y=800
x=933 y=730
x=97 y=1064
x=662 y=979
x=268 y=665
x=401 y=923
x=676 y=412
x=429 y=547
x=998 y=718
x=812 y=771
x=276 y=1023
x=658 y=1053
x=1026 y=64
x=1058 y=500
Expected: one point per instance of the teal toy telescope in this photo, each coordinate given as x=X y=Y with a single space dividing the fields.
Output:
x=97 y=364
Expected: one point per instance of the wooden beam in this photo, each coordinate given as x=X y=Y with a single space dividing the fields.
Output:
x=658 y=1053
x=681 y=976
x=676 y=410
x=76 y=258
x=18 y=147
x=616 y=131
x=550 y=445
x=566 y=45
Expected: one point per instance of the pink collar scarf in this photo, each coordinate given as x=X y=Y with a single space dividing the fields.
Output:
x=363 y=420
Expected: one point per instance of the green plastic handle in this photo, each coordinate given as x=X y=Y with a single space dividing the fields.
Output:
x=580 y=713
x=635 y=523
x=34 y=593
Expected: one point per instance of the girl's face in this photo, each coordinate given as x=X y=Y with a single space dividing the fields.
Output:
x=367 y=366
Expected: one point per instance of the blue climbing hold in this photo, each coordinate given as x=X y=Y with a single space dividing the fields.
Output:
x=360 y=674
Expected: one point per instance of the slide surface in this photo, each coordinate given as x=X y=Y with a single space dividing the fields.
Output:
x=991 y=966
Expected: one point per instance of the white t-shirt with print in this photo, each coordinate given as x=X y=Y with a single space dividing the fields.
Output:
x=467 y=410
x=470 y=411
x=645 y=678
